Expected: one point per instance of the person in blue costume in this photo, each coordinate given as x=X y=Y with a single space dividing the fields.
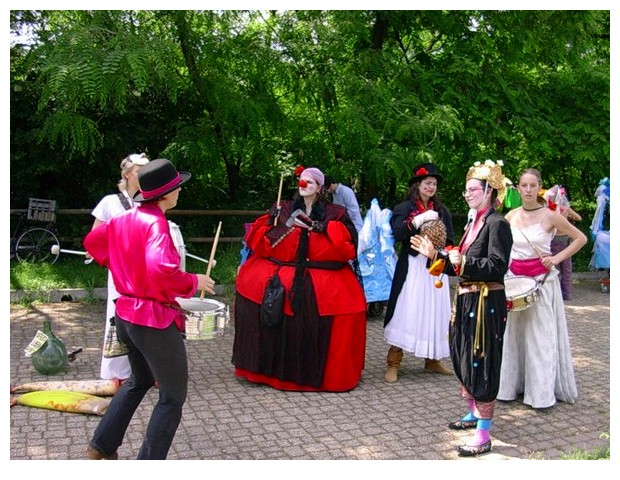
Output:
x=376 y=255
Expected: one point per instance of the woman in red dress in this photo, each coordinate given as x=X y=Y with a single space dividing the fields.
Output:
x=320 y=342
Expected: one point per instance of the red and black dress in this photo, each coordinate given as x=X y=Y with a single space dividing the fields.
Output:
x=320 y=344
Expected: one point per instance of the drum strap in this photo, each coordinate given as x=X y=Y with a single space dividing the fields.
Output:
x=124 y=201
x=537 y=252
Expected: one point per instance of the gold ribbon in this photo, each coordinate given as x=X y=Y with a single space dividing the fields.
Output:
x=480 y=336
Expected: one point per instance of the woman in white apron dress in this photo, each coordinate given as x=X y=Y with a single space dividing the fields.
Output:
x=108 y=207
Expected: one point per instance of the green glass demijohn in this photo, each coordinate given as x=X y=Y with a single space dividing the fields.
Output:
x=51 y=358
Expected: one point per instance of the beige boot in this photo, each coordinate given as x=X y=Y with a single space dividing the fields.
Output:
x=394 y=357
x=435 y=366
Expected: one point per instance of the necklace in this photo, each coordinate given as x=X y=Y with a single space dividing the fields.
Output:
x=533 y=209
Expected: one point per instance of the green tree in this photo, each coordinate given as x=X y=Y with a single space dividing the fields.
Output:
x=239 y=97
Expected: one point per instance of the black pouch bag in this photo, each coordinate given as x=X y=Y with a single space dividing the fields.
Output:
x=272 y=307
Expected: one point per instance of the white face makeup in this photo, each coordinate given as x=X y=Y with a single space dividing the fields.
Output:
x=474 y=194
x=312 y=188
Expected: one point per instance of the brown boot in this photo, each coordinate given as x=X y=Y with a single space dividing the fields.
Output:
x=394 y=357
x=94 y=454
x=435 y=366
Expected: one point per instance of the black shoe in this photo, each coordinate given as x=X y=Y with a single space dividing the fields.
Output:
x=463 y=424
x=467 y=451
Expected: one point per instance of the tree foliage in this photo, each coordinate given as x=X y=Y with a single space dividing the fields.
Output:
x=239 y=97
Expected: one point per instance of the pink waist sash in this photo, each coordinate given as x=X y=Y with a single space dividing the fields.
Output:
x=532 y=267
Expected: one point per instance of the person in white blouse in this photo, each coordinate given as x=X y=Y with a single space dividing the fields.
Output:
x=108 y=207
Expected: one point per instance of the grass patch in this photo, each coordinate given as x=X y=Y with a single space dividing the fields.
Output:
x=596 y=454
x=67 y=272
x=601 y=453
x=70 y=271
x=224 y=272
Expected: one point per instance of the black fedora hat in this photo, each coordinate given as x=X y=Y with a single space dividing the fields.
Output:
x=157 y=178
x=425 y=170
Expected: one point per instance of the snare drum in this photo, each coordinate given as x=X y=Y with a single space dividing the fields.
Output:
x=207 y=319
x=177 y=239
x=521 y=292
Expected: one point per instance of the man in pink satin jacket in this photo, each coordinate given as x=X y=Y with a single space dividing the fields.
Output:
x=139 y=251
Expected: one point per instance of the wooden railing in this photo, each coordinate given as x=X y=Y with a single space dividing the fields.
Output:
x=251 y=214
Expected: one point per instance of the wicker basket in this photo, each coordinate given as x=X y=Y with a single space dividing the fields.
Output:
x=435 y=230
x=40 y=210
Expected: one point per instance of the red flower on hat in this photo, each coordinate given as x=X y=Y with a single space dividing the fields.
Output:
x=421 y=171
x=299 y=169
x=551 y=204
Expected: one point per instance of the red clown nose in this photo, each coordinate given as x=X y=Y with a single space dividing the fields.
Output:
x=303 y=183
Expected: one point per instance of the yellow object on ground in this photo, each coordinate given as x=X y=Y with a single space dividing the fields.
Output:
x=92 y=387
x=64 y=401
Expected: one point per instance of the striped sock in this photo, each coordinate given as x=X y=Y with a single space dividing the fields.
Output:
x=482 y=435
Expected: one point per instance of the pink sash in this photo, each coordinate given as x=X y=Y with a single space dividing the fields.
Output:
x=532 y=267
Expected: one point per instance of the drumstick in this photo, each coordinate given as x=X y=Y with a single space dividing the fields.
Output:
x=275 y=221
x=56 y=250
x=217 y=236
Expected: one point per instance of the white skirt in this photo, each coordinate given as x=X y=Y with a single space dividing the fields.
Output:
x=536 y=359
x=421 y=317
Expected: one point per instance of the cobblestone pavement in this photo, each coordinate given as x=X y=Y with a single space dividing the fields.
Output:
x=227 y=418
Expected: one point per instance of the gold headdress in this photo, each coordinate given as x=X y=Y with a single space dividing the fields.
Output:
x=491 y=172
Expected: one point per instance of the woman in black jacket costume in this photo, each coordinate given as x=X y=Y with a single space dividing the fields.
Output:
x=418 y=310
x=480 y=313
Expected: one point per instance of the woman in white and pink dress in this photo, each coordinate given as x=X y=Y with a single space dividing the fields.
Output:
x=537 y=361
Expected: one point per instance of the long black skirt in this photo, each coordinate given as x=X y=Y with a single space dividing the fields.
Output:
x=293 y=351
